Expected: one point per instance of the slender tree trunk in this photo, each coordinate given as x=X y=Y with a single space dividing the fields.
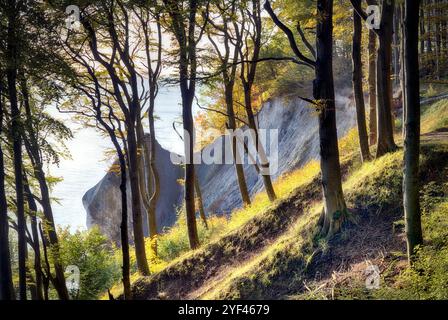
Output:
x=385 y=136
x=396 y=46
x=429 y=31
x=422 y=30
x=154 y=174
x=49 y=224
x=202 y=214
x=32 y=206
x=189 y=169
x=372 y=88
x=402 y=71
x=124 y=223
x=139 y=239
x=412 y=138
x=264 y=162
x=145 y=177
x=124 y=230
x=235 y=150
x=16 y=128
x=438 y=45
x=357 y=88
x=323 y=91
x=6 y=286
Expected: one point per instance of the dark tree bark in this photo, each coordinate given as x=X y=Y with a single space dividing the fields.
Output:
x=127 y=97
x=124 y=218
x=229 y=63
x=51 y=236
x=32 y=206
x=412 y=136
x=198 y=192
x=422 y=30
x=16 y=128
x=6 y=286
x=385 y=139
x=385 y=132
x=323 y=91
x=248 y=73
x=402 y=70
x=335 y=209
x=357 y=87
x=372 y=88
x=396 y=46
x=184 y=30
x=150 y=189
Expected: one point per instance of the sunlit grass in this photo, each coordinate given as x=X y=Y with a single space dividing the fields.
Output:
x=435 y=116
x=173 y=244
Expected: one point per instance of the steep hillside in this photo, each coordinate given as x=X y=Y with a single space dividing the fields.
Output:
x=279 y=254
x=298 y=144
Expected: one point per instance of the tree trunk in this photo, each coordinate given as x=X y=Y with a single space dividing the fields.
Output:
x=38 y=170
x=139 y=239
x=438 y=39
x=32 y=206
x=124 y=223
x=146 y=185
x=154 y=174
x=396 y=46
x=16 y=128
x=235 y=151
x=422 y=31
x=372 y=88
x=264 y=162
x=6 y=286
x=402 y=71
x=187 y=100
x=357 y=87
x=412 y=138
x=385 y=136
x=124 y=208
x=202 y=214
x=323 y=91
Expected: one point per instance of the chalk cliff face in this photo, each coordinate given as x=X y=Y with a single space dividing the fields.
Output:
x=298 y=143
x=103 y=201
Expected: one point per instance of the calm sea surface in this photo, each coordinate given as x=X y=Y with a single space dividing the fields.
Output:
x=89 y=163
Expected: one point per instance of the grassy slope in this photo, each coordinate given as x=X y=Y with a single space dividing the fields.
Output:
x=300 y=266
x=272 y=251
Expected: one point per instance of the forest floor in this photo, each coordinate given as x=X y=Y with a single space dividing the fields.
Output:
x=278 y=254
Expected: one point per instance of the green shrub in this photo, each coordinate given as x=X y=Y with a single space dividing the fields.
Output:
x=92 y=253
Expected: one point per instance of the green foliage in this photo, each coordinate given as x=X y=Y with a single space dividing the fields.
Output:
x=428 y=278
x=92 y=253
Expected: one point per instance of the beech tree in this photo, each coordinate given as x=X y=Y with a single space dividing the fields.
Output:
x=385 y=132
x=357 y=87
x=6 y=286
x=112 y=21
x=11 y=9
x=335 y=209
x=228 y=58
x=149 y=17
x=411 y=175
x=248 y=35
x=183 y=21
